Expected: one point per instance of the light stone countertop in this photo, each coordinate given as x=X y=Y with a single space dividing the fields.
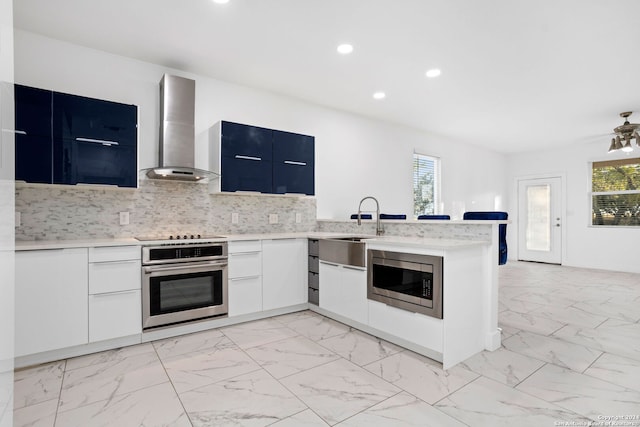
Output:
x=441 y=244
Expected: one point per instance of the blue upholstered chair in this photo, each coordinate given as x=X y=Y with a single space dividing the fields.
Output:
x=392 y=216
x=434 y=217
x=502 y=230
x=362 y=216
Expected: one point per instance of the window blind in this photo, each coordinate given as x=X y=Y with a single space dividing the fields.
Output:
x=615 y=192
x=426 y=176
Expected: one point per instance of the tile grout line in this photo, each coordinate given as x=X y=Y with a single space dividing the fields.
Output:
x=164 y=368
x=64 y=371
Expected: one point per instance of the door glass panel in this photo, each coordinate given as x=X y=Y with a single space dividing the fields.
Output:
x=179 y=292
x=538 y=230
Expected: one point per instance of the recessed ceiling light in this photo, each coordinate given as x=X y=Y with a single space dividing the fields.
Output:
x=221 y=1
x=433 y=73
x=379 y=95
x=345 y=48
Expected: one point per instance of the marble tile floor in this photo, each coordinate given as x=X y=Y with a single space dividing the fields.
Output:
x=571 y=353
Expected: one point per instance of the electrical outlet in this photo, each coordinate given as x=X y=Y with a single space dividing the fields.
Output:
x=234 y=218
x=18 y=219
x=124 y=218
x=298 y=217
x=273 y=218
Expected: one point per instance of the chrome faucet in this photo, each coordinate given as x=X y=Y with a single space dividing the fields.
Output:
x=379 y=229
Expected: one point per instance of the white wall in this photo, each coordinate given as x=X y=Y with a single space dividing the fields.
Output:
x=6 y=214
x=607 y=248
x=355 y=156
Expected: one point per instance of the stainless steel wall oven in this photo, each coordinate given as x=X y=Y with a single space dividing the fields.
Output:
x=409 y=281
x=183 y=282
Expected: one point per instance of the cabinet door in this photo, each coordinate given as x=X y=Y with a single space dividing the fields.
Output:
x=330 y=286
x=33 y=142
x=247 y=264
x=94 y=141
x=344 y=291
x=114 y=315
x=51 y=300
x=246 y=163
x=293 y=163
x=354 y=303
x=245 y=295
x=79 y=117
x=91 y=162
x=114 y=276
x=284 y=273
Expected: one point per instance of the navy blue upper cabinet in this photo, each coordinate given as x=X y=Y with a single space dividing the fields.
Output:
x=293 y=163
x=265 y=160
x=246 y=158
x=94 y=120
x=33 y=154
x=80 y=140
x=95 y=141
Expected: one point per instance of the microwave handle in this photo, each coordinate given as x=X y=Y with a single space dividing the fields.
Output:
x=403 y=264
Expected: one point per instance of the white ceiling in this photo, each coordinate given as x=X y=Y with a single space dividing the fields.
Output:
x=516 y=75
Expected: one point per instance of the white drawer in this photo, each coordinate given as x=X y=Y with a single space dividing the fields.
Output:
x=114 y=253
x=248 y=264
x=114 y=315
x=245 y=296
x=114 y=276
x=238 y=246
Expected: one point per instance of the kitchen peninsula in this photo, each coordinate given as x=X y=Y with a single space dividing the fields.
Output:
x=469 y=324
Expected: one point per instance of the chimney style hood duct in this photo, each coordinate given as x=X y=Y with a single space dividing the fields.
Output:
x=177 y=134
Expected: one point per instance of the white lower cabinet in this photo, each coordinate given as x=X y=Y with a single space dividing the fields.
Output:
x=245 y=295
x=343 y=291
x=245 y=277
x=284 y=273
x=51 y=300
x=115 y=307
x=114 y=315
x=414 y=327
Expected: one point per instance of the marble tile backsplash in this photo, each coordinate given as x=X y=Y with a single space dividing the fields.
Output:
x=156 y=209
x=435 y=230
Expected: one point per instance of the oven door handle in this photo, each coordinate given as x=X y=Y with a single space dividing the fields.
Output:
x=192 y=267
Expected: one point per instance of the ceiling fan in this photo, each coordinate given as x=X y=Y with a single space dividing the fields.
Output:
x=625 y=133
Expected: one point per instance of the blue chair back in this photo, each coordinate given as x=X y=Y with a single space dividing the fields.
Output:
x=434 y=217
x=393 y=216
x=502 y=230
x=362 y=216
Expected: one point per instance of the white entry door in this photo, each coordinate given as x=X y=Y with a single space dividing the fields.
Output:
x=539 y=220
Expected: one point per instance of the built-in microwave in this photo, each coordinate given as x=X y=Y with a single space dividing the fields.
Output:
x=411 y=282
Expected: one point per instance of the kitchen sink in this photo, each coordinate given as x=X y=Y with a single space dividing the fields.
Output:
x=344 y=250
x=351 y=239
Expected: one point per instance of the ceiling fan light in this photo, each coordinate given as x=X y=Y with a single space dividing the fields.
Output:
x=627 y=146
x=612 y=147
x=637 y=138
x=618 y=143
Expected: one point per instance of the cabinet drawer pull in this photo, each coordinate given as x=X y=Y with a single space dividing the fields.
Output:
x=98 y=141
x=118 y=261
x=106 y=294
x=257 y=159
x=235 y=279
x=292 y=162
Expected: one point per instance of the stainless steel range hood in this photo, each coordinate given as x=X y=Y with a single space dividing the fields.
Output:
x=177 y=134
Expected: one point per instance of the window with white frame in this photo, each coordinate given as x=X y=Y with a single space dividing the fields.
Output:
x=426 y=184
x=615 y=192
